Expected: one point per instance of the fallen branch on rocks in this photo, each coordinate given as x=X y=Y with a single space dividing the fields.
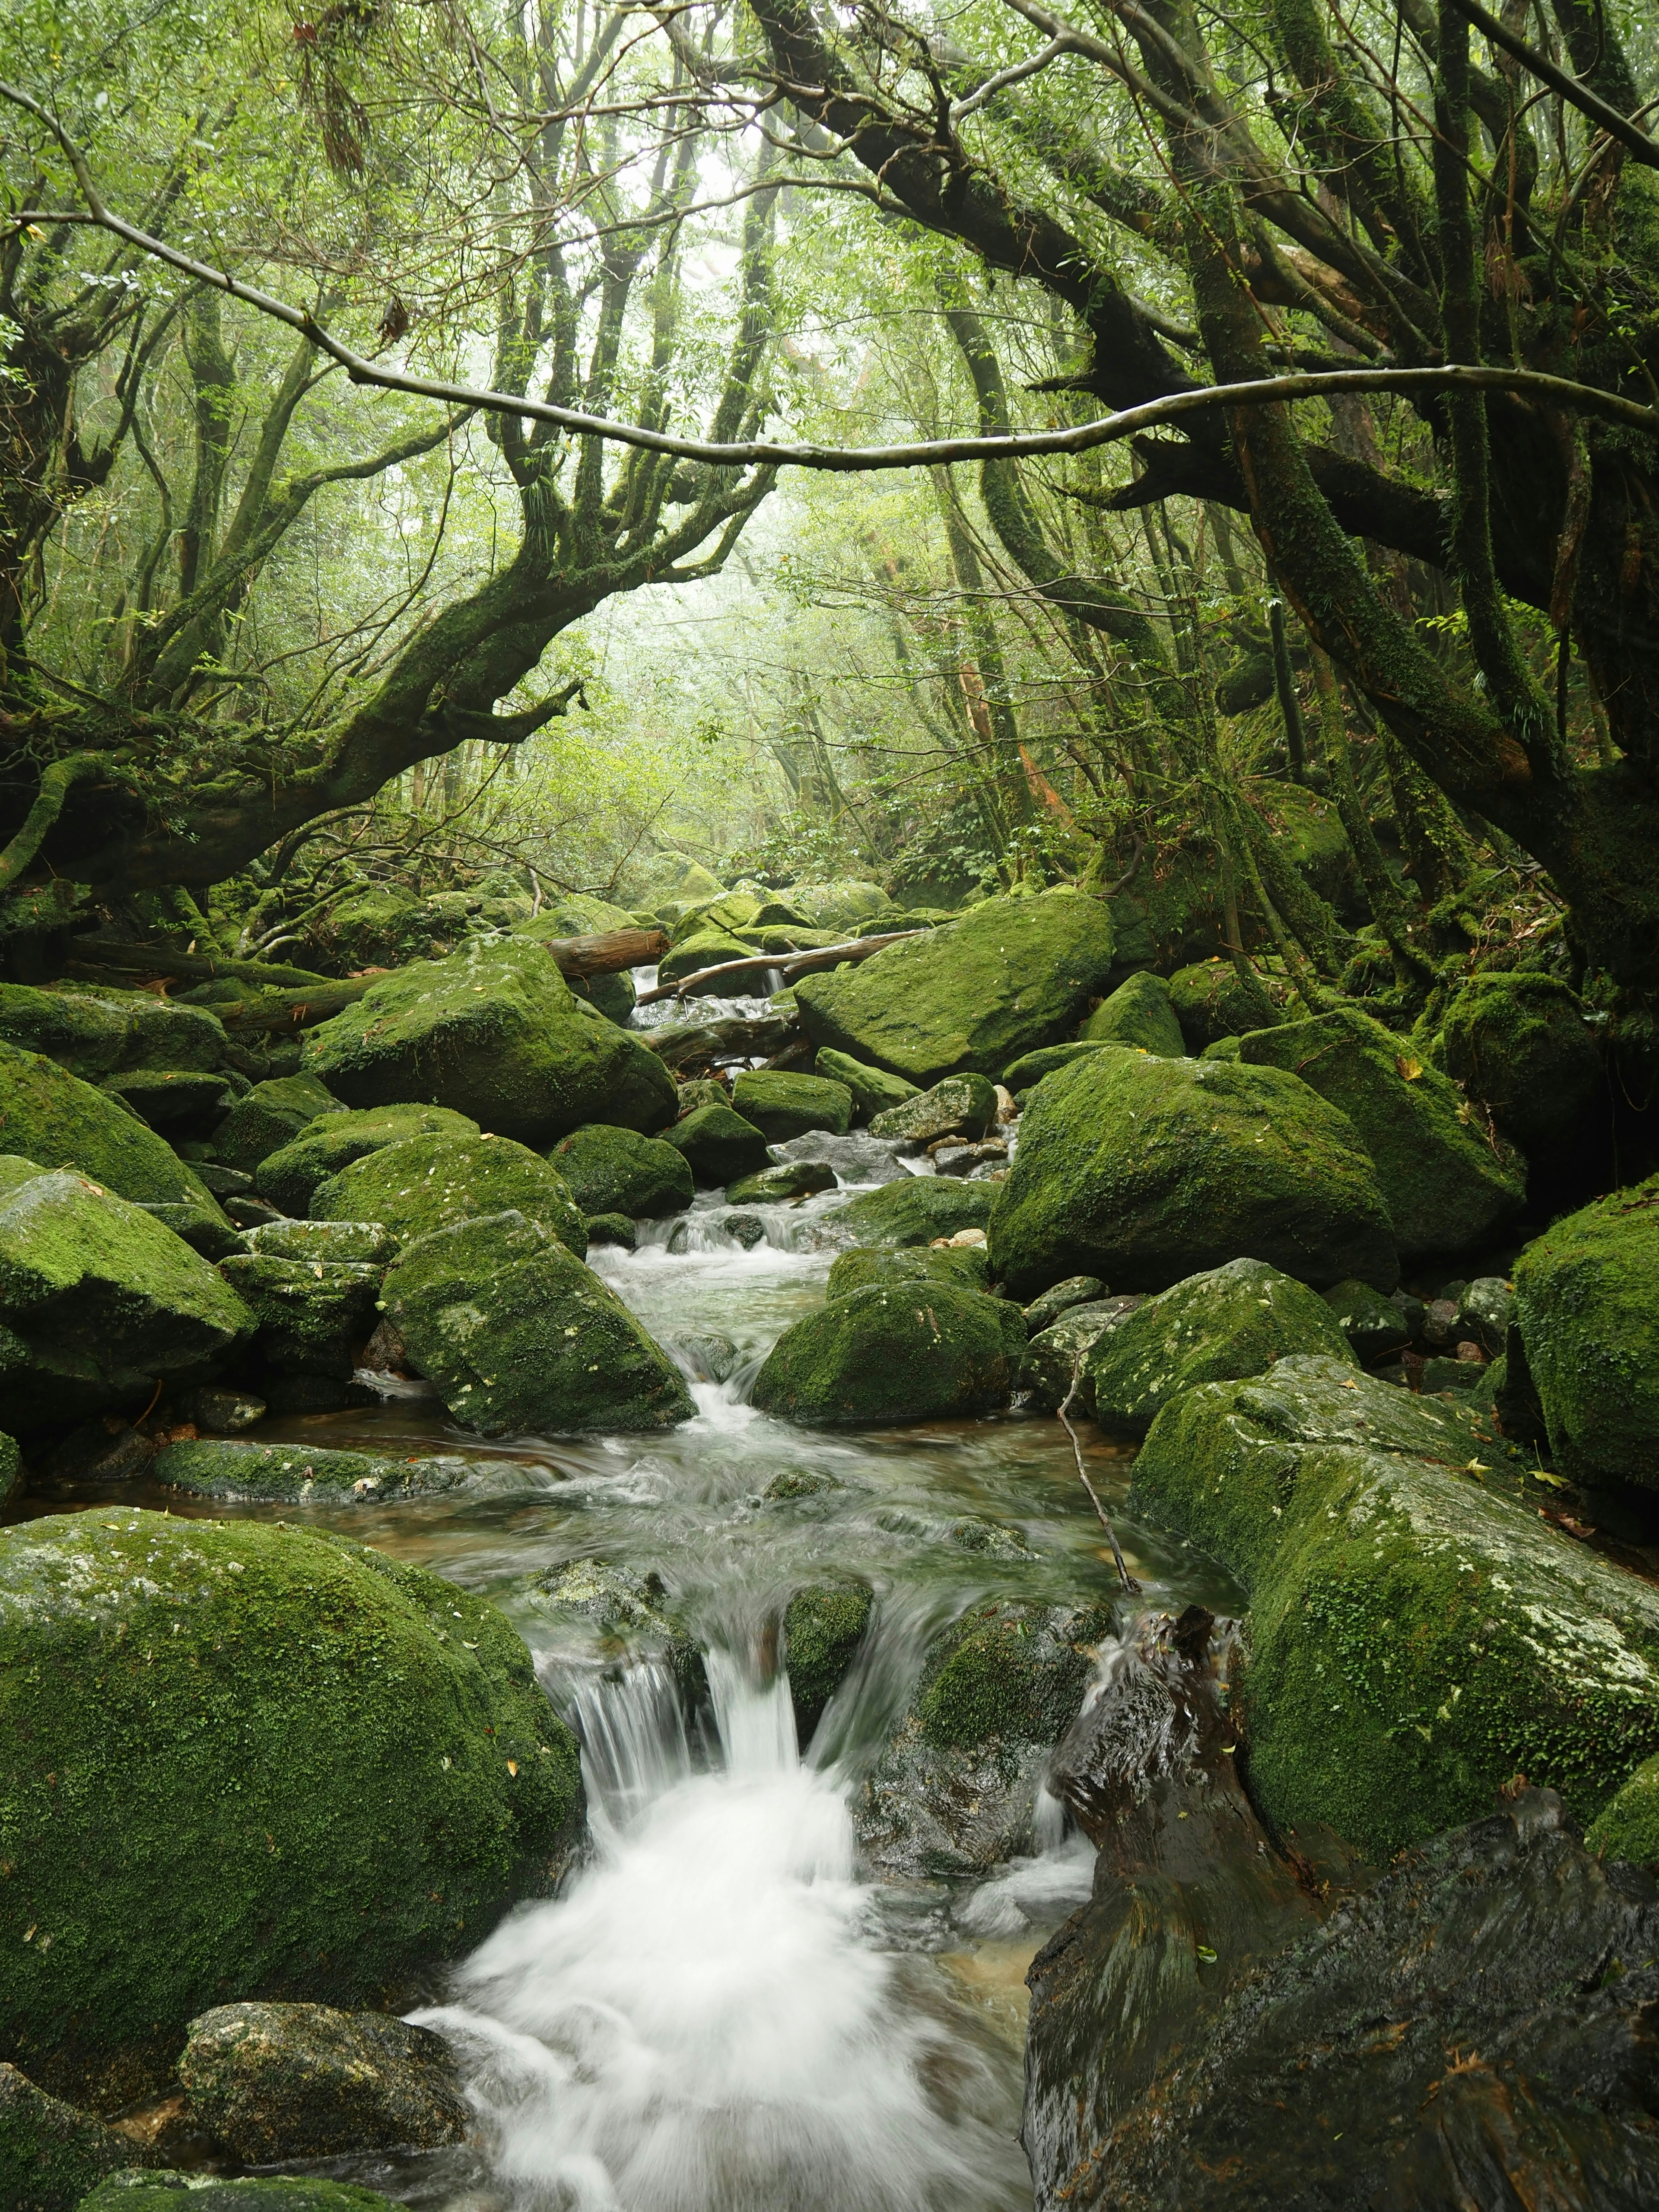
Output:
x=1123 y=1574
x=730 y=1037
x=607 y=951
x=790 y=969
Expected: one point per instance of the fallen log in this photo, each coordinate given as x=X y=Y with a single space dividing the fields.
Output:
x=294 y=1009
x=730 y=1037
x=168 y=960
x=607 y=951
x=791 y=968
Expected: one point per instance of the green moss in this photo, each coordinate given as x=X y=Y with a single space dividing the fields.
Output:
x=962 y=1264
x=313 y=1316
x=1138 y=1012
x=894 y=1353
x=94 y=1034
x=1627 y=1826
x=1518 y=1042
x=246 y=1760
x=783 y=1106
x=98 y=1301
x=1024 y=1073
x=52 y=1117
x=520 y=1337
x=840 y=905
x=288 y=1177
x=1586 y=1304
x=718 y=1145
x=873 y=1090
x=1417 y=1634
x=1447 y=1187
x=271 y=1115
x=1009 y=975
x=196 y=2192
x=962 y=1105
x=1143 y=1171
x=492 y=1032
x=579 y=914
x=1210 y=1000
x=330 y=1242
x=428 y=1183
x=611 y=1171
x=996 y=1677
x=1216 y=1328
x=913 y=1211
x=789 y=1179
x=300 y=1474
x=707 y=947
x=822 y=1628
x=1374 y=1325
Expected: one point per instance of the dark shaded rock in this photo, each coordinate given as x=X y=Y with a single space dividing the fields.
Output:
x=222 y=1411
x=272 y=1114
x=1138 y=1013
x=175 y=1101
x=612 y=1171
x=276 y=2082
x=11 y=1469
x=822 y=1628
x=1212 y=1000
x=915 y=1211
x=107 y=1451
x=1484 y=1313
x=313 y=1316
x=788 y=1179
x=718 y=1143
x=898 y=1352
x=745 y=1229
x=1075 y=1291
x=1144 y=1170
x=51 y=2155
x=1376 y=1327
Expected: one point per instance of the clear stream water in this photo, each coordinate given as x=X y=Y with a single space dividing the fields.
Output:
x=721 y=2012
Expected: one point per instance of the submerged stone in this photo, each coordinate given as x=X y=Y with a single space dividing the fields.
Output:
x=300 y=1473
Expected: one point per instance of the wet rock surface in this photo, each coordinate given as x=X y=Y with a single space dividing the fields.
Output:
x=51 y=2155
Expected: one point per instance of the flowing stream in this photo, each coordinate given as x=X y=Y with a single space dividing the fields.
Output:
x=723 y=2012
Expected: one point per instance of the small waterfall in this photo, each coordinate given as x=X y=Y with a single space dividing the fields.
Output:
x=633 y=1738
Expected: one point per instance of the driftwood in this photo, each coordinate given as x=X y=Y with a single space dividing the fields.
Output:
x=791 y=968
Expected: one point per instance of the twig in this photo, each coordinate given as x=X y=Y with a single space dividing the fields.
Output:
x=1123 y=1574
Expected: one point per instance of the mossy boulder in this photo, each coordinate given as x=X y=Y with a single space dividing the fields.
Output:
x=1138 y=1012
x=1210 y=1000
x=1517 y=1040
x=195 y=2192
x=579 y=913
x=840 y=904
x=718 y=1145
x=272 y=1114
x=708 y=946
x=1007 y=977
x=301 y=1474
x=914 y=1211
x=1059 y=1297
x=1586 y=1306
x=1419 y=1634
x=278 y=2081
x=51 y=2153
x=288 y=1176
x=430 y=1183
x=95 y=1033
x=676 y=876
x=1024 y=1073
x=53 y=1118
x=873 y=1090
x=519 y=1337
x=1144 y=1170
x=789 y=1179
x=494 y=1033
x=99 y=1303
x=894 y=1352
x=965 y=1265
x=1627 y=1826
x=782 y=1106
x=612 y=1171
x=312 y=1315
x=251 y=1758
x=1216 y=1328
x=181 y=1104
x=329 y=1243
x=962 y=1105
x=1447 y=1187
x=1375 y=1326
x=822 y=1628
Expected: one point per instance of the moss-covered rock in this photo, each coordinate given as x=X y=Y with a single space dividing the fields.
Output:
x=98 y=1301
x=579 y=913
x=1024 y=1073
x=272 y=1114
x=95 y=1033
x=492 y=1032
x=1056 y=1354
x=899 y=1352
x=287 y=1177
x=954 y=1791
x=718 y=1145
x=330 y=1242
x=708 y=946
x=1517 y=1040
x=519 y=1337
x=51 y=2153
x=181 y=1104
x=53 y=1118
x=1138 y=1012
x=962 y=1105
x=612 y=1171
x=963 y=1265
x=782 y=1106
x=873 y=1090
x=312 y=1315
x=1627 y=1826
x=251 y=1758
x=1216 y=1328
x=1375 y=1326
x=822 y=1628
x=277 y=2082
x=1144 y=1170
x=195 y=2192
x=1210 y=1000
x=1587 y=1305
x=430 y=1183
x=1448 y=1189
x=1418 y=1635
x=1007 y=977
x=913 y=1212
x=840 y=904
x=1075 y=1291
x=675 y=876
x=255 y=1474
x=789 y=1179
